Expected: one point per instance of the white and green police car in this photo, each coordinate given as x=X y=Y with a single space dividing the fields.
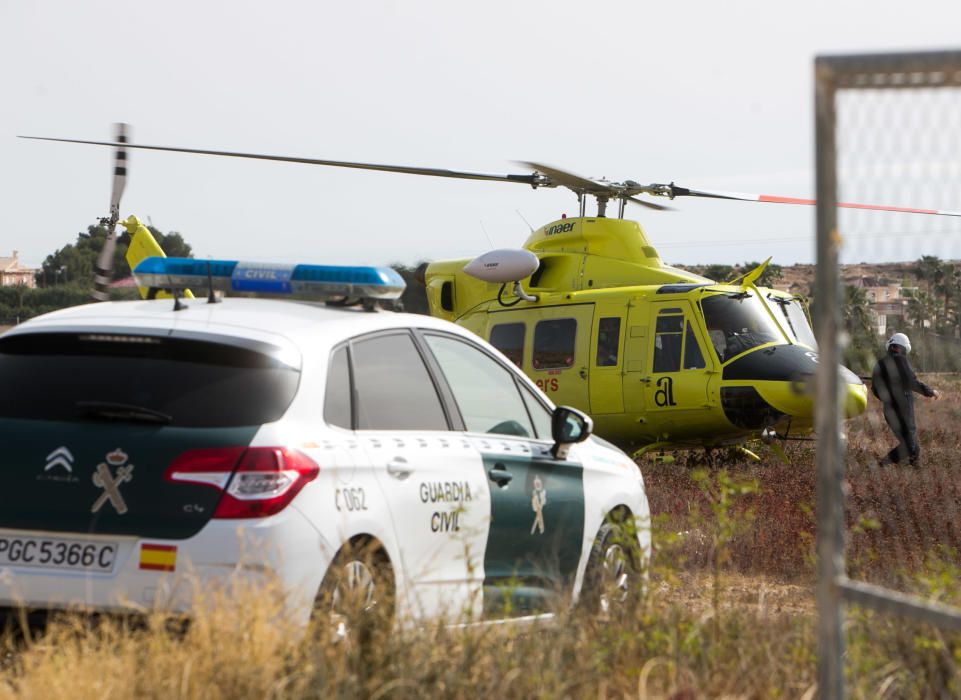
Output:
x=147 y=444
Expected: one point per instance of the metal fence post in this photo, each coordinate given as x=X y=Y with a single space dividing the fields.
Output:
x=830 y=450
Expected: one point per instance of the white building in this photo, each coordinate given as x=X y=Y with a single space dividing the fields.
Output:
x=13 y=273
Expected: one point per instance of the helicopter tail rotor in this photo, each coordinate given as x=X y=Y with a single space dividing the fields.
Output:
x=104 y=266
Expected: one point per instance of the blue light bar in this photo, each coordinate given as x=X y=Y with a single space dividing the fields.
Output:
x=318 y=281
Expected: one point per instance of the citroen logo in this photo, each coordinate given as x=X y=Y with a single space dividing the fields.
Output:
x=60 y=457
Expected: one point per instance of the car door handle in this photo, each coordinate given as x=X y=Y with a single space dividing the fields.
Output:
x=500 y=476
x=583 y=372
x=398 y=468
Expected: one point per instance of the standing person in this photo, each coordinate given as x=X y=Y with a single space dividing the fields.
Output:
x=893 y=382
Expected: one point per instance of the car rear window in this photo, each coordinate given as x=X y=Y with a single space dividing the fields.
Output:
x=197 y=383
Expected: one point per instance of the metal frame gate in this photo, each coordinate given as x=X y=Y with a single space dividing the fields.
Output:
x=833 y=74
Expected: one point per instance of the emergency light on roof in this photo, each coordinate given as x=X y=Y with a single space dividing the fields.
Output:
x=319 y=281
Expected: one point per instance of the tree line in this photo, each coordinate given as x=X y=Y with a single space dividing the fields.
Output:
x=932 y=315
x=66 y=275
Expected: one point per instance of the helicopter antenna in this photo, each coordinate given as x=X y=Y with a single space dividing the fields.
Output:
x=487 y=235
x=524 y=220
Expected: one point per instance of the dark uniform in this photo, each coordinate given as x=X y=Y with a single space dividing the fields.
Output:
x=893 y=382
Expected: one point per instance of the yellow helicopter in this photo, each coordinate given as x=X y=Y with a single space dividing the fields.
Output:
x=661 y=358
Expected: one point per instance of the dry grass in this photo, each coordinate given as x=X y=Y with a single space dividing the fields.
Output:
x=729 y=610
x=237 y=649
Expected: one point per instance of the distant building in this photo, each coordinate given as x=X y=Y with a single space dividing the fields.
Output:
x=879 y=322
x=13 y=273
x=888 y=300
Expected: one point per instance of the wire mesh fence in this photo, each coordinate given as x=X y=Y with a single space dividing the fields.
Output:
x=888 y=305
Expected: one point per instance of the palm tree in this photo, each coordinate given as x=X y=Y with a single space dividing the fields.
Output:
x=921 y=309
x=927 y=269
x=859 y=323
x=947 y=279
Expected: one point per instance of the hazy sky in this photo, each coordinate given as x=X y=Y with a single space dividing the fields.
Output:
x=707 y=94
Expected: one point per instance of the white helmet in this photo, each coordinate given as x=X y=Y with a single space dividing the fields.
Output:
x=900 y=339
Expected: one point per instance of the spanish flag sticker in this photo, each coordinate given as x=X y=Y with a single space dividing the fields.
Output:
x=158 y=557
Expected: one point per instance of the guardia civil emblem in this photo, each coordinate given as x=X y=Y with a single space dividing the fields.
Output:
x=538 y=501
x=106 y=479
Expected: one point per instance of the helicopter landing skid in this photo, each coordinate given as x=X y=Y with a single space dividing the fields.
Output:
x=641 y=451
x=741 y=450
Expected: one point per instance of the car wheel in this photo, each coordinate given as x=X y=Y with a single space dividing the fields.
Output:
x=612 y=581
x=356 y=598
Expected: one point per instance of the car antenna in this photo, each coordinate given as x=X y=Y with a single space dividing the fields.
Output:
x=177 y=305
x=211 y=297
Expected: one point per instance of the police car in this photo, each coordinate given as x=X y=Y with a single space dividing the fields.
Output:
x=333 y=449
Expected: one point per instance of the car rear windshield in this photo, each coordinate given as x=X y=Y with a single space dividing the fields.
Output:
x=188 y=383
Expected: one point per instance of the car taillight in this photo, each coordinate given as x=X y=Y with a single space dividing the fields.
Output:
x=255 y=482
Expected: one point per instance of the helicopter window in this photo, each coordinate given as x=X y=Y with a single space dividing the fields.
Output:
x=554 y=343
x=509 y=339
x=798 y=321
x=484 y=390
x=538 y=273
x=447 y=296
x=693 y=357
x=667 y=343
x=608 y=341
x=736 y=324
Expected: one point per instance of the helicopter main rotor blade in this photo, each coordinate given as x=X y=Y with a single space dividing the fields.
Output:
x=104 y=266
x=578 y=184
x=673 y=191
x=649 y=205
x=527 y=179
x=601 y=189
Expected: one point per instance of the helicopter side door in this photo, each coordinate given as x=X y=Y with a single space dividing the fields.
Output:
x=678 y=371
x=607 y=359
x=560 y=353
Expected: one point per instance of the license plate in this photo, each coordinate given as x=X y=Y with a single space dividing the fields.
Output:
x=56 y=553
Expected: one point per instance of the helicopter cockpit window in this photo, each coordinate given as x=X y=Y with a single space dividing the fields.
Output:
x=509 y=339
x=797 y=320
x=554 y=343
x=669 y=334
x=738 y=322
x=608 y=341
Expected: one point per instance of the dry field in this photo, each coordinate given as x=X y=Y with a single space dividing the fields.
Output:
x=729 y=610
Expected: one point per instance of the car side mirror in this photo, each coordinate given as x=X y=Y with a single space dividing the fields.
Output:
x=568 y=426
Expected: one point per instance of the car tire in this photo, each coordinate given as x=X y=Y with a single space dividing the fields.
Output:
x=612 y=578
x=355 y=603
